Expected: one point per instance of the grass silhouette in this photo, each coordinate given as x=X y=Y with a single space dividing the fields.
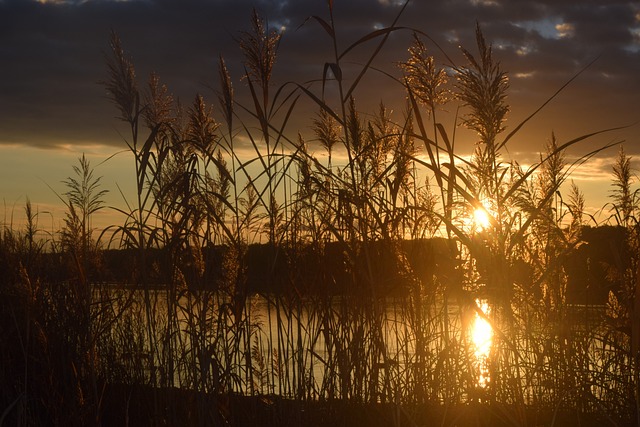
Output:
x=285 y=289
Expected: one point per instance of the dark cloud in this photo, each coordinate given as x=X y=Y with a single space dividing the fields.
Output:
x=52 y=55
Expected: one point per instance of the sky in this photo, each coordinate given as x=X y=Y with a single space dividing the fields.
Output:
x=53 y=107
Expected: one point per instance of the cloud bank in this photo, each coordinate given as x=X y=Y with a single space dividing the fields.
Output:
x=53 y=56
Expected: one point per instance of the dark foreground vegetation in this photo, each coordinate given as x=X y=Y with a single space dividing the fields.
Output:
x=375 y=258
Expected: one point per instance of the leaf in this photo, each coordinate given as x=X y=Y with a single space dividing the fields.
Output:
x=325 y=25
x=423 y=132
x=372 y=35
x=321 y=104
x=145 y=153
x=335 y=69
x=275 y=107
x=544 y=104
x=385 y=32
x=260 y=115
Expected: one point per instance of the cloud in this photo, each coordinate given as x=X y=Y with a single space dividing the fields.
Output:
x=49 y=92
x=594 y=169
x=565 y=30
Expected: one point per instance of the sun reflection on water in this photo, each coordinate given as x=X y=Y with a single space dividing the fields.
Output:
x=482 y=337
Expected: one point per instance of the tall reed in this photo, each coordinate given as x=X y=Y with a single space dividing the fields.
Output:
x=368 y=208
x=341 y=263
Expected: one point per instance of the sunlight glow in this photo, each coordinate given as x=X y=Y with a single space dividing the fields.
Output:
x=482 y=338
x=524 y=50
x=481 y=219
x=481 y=332
x=565 y=29
x=526 y=75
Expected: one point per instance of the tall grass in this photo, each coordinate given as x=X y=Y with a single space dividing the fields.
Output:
x=352 y=274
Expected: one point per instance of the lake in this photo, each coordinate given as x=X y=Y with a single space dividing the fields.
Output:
x=403 y=349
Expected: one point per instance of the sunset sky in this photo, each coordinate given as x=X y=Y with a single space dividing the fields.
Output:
x=53 y=109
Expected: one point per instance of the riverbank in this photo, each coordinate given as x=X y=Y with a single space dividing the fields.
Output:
x=329 y=269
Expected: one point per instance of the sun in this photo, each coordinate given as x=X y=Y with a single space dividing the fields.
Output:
x=481 y=218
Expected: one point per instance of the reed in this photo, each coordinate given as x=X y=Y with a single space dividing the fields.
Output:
x=348 y=278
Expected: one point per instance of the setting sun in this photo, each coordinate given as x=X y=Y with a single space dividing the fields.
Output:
x=481 y=218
